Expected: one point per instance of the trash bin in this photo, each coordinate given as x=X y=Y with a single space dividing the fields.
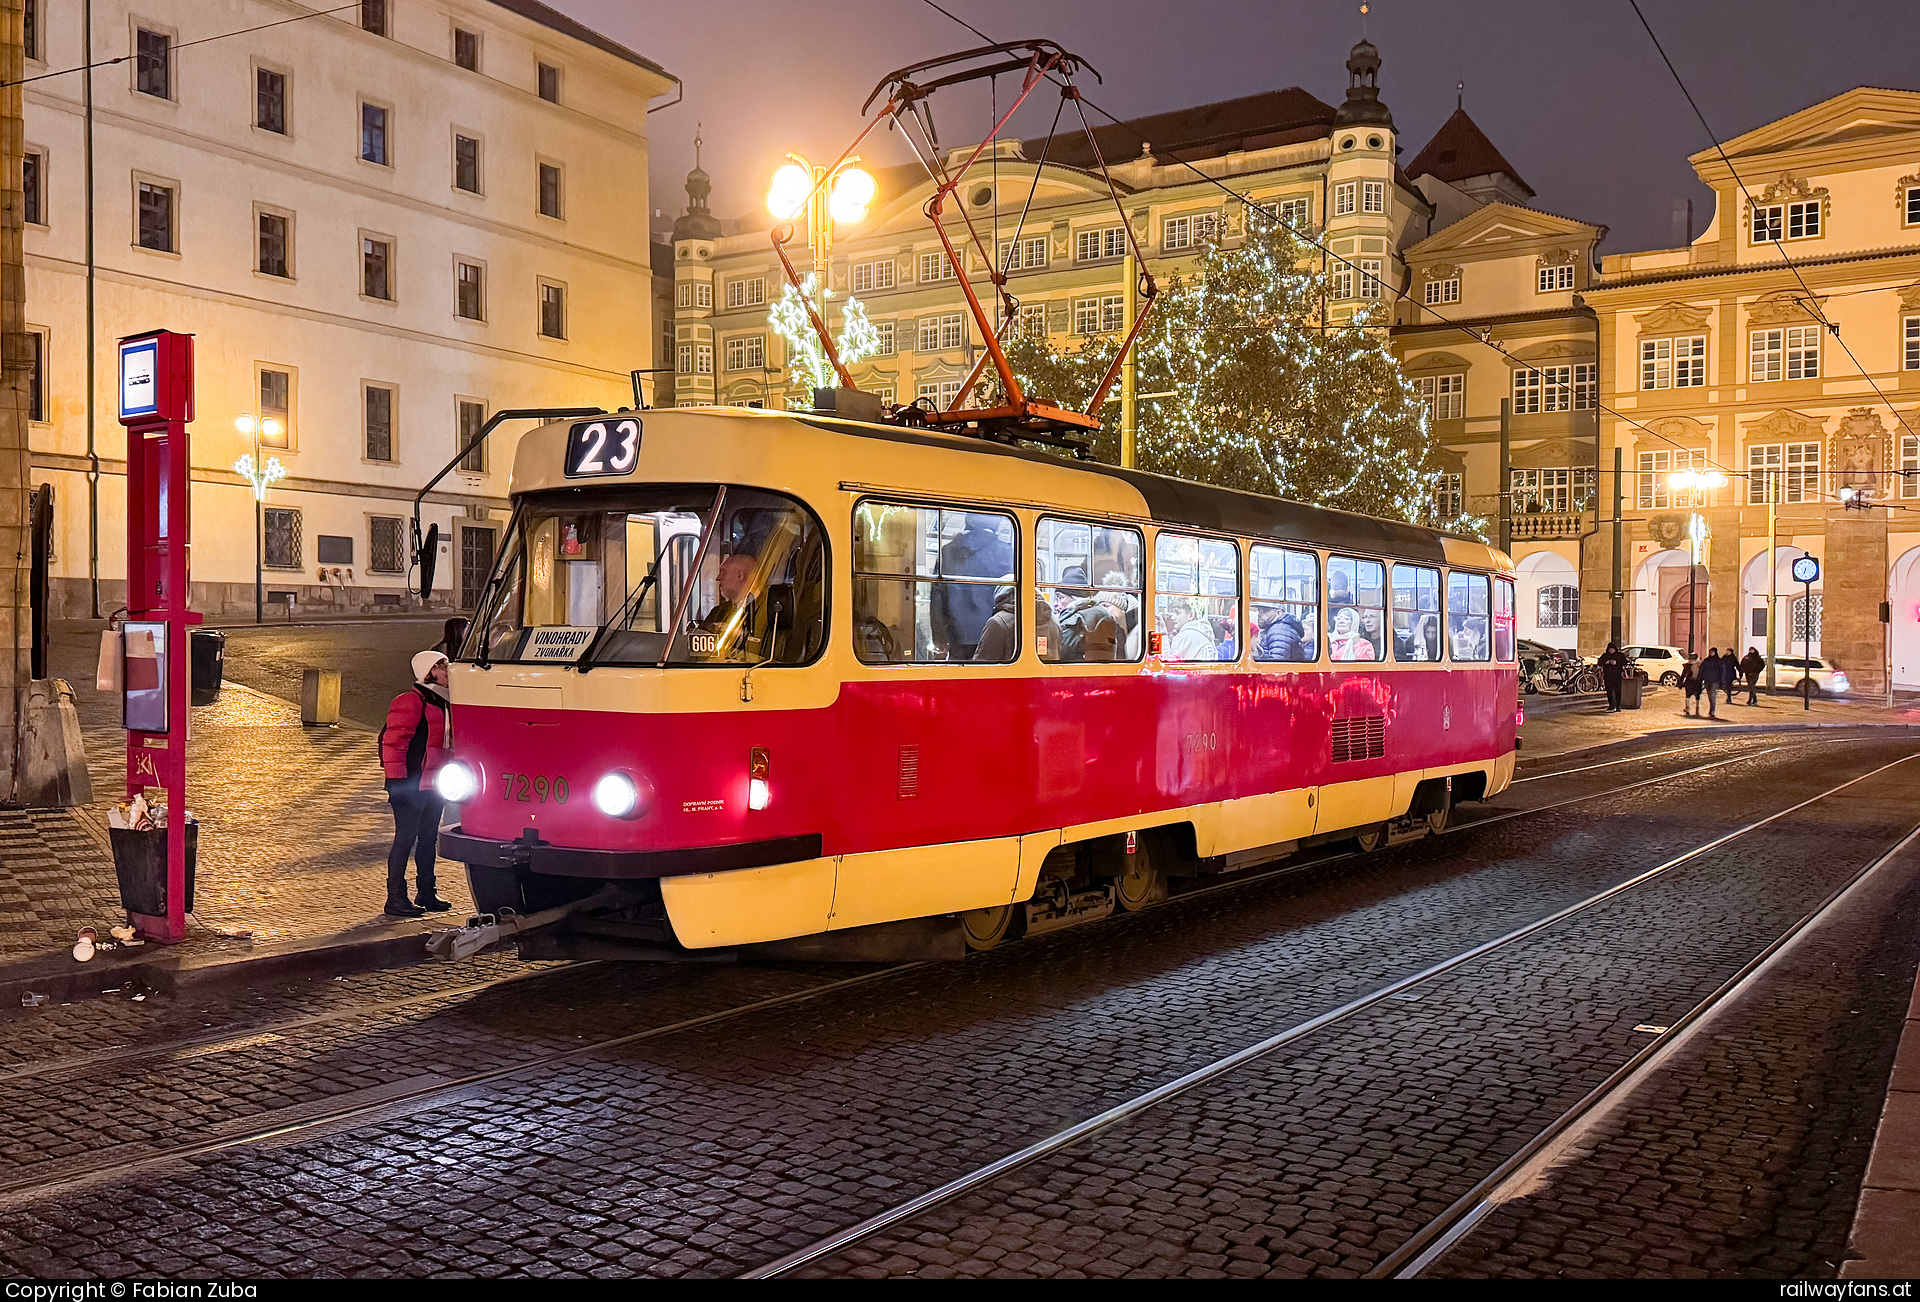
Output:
x=140 y=862
x=209 y=663
x=1631 y=686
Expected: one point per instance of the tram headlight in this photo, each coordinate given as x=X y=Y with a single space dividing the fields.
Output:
x=456 y=783
x=617 y=795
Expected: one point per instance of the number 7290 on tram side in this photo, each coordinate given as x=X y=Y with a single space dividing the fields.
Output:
x=791 y=685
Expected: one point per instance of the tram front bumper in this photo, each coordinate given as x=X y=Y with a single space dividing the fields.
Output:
x=623 y=865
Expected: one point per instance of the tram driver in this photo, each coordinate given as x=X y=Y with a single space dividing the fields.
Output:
x=735 y=614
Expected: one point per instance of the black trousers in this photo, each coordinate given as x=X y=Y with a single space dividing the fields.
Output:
x=1613 y=690
x=416 y=835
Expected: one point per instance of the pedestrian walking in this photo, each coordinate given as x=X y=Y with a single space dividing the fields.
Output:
x=452 y=634
x=1716 y=675
x=1750 y=665
x=1613 y=668
x=413 y=748
x=1690 y=685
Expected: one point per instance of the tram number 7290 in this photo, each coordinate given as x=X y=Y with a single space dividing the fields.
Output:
x=603 y=447
x=532 y=787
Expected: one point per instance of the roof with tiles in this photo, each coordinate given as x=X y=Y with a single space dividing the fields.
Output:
x=1458 y=150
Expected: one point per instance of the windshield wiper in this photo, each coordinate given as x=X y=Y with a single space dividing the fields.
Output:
x=639 y=594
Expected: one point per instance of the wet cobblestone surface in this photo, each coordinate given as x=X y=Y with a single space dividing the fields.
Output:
x=714 y=1149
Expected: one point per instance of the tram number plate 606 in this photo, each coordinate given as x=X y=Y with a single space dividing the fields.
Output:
x=603 y=447
x=530 y=787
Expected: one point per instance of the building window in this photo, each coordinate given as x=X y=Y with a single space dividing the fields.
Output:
x=1023 y=255
x=1373 y=196
x=703 y=359
x=1910 y=465
x=1097 y=315
x=1678 y=363
x=1553 y=279
x=466 y=50
x=30 y=29
x=1107 y=242
x=275 y=246
x=935 y=266
x=1554 y=388
x=1343 y=281
x=373 y=16
x=469 y=291
x=1910 y=328
x=270 y=100
x=1656 y=493
x=1443 y=291
x=468 y=417
x=37 y=376
x=153 y=63
x=1806 y=619
x=1557 y=490
x=549 y=190
x=1445 y=396
x=869 y=276
x=939 y=395
x=940 y=333
x=376 y=268
x=1793 y=221
x=466 y=164
x=156 y=217
x=1559 y=606
x=1792 y=353
x=1794 y=466
x=884 y=329
x=379 y=410
x=703 y=293
x=1033 y=321
x=282 y=544
x=1345 y=198
x=553 y=312
x=32 y=186
x=386 y=550
x=683 y=362
x=747 y=291
x=1913 y=205
x=1449 y=497
x=373 y=134
x=549 y=83
x=1369 y=278
x=747 y=353
x=276 y=404
x=1191 y=230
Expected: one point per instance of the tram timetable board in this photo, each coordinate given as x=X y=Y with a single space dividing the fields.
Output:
x=610 y=446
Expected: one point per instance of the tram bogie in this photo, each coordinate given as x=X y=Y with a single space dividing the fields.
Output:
x=822 y=686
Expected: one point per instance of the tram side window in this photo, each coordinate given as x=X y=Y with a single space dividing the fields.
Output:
x=1356 y=609
x=1196 y=598
x=1416 y=613
x=1087 y=588
x=1503 y=644
x=1467 y=615
x=933 y=586
x=1286 y=604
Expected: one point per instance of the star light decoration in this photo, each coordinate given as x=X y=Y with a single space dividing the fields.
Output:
x=259 y=476
x=806 y=358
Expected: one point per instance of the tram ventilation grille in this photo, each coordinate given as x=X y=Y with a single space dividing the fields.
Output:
x=1359 y=738
x=909 y=773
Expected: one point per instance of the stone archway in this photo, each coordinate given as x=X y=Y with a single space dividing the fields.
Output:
x=1903 y=598
x=1548 y=599
x=1655 y=581
x=1753 y=602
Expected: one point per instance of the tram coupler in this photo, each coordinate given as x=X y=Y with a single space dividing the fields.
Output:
x=490 y=928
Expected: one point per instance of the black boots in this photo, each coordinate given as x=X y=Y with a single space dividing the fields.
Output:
x=399 y=908
x=431 y=904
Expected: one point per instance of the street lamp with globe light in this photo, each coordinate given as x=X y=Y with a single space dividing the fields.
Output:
x=259 y=474
x=826 y=196
x=1699 y=481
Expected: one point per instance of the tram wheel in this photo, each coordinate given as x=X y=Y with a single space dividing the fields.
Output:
x=986 y=928
x=1370 y=839
x=1437 y=819
x=1143 y=883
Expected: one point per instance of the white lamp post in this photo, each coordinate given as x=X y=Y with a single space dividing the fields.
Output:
x=250 y=468
x=1697 y=533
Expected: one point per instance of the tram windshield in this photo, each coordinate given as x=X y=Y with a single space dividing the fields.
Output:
x=642 y=576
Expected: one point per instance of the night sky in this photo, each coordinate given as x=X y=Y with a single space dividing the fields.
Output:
x=1573 y=94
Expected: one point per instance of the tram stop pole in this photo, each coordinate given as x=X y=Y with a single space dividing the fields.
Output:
x=156 y=404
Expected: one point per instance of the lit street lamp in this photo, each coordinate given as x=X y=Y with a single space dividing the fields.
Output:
x=1697 y=533
x=825 y=195
x=259 y=474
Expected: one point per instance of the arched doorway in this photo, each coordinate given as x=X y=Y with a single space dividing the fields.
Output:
x=1549 y=599
x=1791 y=621
x=1903 y=598
x=1687 y=616
x=1660 y=599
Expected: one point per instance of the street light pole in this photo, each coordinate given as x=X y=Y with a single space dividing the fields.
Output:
x=1773 y=578
x=259 y=474
x=1702 y=482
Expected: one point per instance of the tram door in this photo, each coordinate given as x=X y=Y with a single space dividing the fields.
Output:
x=476 y=563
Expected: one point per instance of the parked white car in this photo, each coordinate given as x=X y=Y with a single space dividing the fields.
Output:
x=1828 y=678
x=1661 y=663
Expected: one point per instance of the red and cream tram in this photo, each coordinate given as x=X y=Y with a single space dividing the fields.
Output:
x=775 y=675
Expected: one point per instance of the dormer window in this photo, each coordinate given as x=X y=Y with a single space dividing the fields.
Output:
x=1786 y=221
x=1443 y=291
x=1555 y=279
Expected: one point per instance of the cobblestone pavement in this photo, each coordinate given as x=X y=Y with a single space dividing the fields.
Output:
x=716 y=1148
x=1555 y=725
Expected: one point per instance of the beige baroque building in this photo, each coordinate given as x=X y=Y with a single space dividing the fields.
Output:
x=381 y=226
x=1807 y=378
x=1329 y=170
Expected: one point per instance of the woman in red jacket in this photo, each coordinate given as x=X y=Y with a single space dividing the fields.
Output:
x=413 y=747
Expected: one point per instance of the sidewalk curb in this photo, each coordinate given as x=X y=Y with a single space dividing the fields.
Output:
x=65 y=981
x=1603 y=747
x=1885 y=1237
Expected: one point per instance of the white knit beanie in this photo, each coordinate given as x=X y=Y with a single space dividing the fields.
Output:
x=423 y=664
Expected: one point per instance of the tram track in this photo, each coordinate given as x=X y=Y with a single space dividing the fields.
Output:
x=400 y=1100
x=1480 y=1198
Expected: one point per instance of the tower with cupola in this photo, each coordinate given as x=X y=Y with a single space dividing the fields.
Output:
x=1363 y=212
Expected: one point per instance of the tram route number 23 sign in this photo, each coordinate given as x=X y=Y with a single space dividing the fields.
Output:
x=603 y=447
